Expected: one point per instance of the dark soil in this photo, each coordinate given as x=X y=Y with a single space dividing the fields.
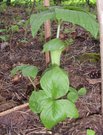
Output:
x=14 y=91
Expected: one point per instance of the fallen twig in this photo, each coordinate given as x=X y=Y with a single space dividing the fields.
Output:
x=17 y=108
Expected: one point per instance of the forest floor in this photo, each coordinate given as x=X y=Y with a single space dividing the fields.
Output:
x=83 y=70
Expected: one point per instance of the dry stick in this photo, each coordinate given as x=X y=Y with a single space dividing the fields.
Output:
x=47 y=27
x=32 y=82
x=100 y=18
x=14 y=109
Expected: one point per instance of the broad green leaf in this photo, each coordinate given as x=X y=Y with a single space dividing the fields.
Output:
x=79 y=18
x=55 y=82
x=30 y=71
x=17 y=69
x=53 y=45
x=90 y=132
x=37 y=101
x=74 y=16
x=74 y=8
x=82 y=92
x=36 y=20
x=26 y=70
x=73 y=96
x=70 y=108
x=57 y=111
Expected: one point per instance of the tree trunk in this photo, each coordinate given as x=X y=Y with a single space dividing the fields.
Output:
x=100 y=18
x=47 y=27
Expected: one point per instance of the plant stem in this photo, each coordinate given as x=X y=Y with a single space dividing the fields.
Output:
x=55 y=55
x=32 y=82
x=58 y=31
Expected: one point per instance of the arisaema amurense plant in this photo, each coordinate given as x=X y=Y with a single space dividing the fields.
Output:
x=55 y=101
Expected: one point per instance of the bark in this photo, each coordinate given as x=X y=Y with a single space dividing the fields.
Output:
x=100 y=19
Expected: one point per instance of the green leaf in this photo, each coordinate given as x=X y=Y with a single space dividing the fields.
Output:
x=30 y=71
x=3 y=30
x=56 y=111
x=71 y=89
x=53 y=45
x=74 y=16
x=36 y=20
x=55 y=82
x=73 y=96
x=70 y=108
x=79 y=18
x=37 y=101
x=14 y=28
x=90 y=132
x=17 y=69
x=26 y=70
x=4 y=37
x=82 y=92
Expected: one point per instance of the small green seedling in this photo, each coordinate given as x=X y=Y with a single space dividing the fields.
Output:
x=3 y=36
x=27 y=71
x=14 y=28
x=90 y=132
x=73 y=94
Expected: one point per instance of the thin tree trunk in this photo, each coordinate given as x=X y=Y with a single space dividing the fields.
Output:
x=100 y=18
x=47 y=27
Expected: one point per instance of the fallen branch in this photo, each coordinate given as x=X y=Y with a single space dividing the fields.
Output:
x=17 y=108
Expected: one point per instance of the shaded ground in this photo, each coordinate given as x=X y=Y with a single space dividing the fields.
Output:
x=83 y=72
